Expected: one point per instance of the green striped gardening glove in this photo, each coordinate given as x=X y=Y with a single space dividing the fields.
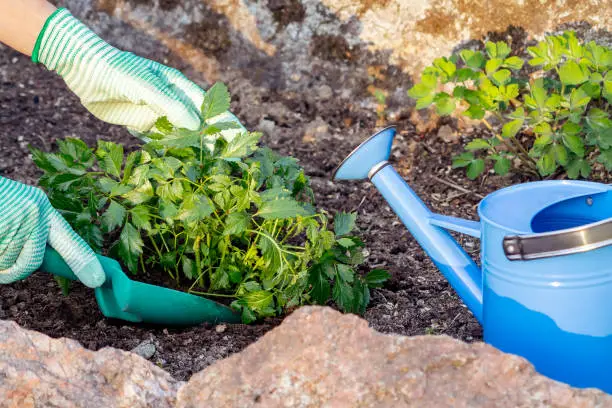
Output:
x=28 y=223
x=116 y=86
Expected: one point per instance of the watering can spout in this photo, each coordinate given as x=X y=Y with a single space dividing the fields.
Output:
x=369 y=160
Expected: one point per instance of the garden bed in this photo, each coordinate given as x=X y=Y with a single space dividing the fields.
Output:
x=417 y=300
x=36 y=108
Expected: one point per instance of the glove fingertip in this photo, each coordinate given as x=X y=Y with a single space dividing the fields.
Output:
x=91 y=274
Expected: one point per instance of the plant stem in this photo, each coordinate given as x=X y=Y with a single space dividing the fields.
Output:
x=513 y=145
x=196 y=248
x=212 y=294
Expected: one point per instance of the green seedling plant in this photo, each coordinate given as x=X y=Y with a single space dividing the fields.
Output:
x=554 y=120
x=226 y=219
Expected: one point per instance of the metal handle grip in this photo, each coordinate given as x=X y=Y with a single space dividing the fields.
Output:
x=558 y=243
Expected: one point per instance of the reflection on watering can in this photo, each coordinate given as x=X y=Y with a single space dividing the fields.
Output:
x=545 y=289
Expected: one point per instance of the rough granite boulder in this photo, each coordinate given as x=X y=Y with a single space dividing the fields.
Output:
x=319 y=357
x=38 y=371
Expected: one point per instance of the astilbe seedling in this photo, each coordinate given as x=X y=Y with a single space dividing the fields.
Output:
x=555 y=119
x=229 y=219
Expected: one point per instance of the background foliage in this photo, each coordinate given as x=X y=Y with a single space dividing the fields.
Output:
x=554 y=119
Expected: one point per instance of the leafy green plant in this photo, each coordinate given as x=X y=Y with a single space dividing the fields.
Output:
x=228 y=219
x=555 y=119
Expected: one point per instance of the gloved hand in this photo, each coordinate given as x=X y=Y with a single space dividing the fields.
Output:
x=116 y=86
x=28 y=223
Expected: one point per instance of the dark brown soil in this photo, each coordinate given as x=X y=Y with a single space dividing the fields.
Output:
x=37 y=108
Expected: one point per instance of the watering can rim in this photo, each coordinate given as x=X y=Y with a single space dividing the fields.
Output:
x=521 y=244
x=597 y=188
x=358 y=147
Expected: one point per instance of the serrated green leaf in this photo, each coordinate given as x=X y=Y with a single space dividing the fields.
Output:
x=475 y=112
x=502 y=166
x=345 y=272
x=542 y=129
x=220 y=280
x=493 y=65
x=167 y=210
x=241 y=145
x=547 y=163
x=236 y=223
x=189 y=268
x=195 y=207
x=281 y=208
x=141 y=194
x=477 y=144
x=344 y=223
x=445 y=104
x=578 y=167
x=498 y=49
x=235 y=275
x=130 y=246
x=462 y=160
x=561 y=155
x=424 y=102
x=114 y=216
x=343 y=295
x=465 y=74
x=514 y=63
x=446 y=66
x=579 y=99
x=259 y=300
x=320 y=286
x=475 y=168
x=377 y=277
x=346 y=242
x=607 y=87
x=571 y=73
x=605 y=158
x=420 y=90
x=501 y=77
x=141 y=217
x=182 y=138
x=473 y=59
x=216 y=101
x=574 y=143
x=591 y=89
x=163 y=125
x=510 y=129
x=111 y=157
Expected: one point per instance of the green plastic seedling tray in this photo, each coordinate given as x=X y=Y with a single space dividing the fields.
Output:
x=122 y=298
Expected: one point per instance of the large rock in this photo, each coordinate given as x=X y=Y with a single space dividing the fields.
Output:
x=37 y=371
x=321 y=358
x=410 y=33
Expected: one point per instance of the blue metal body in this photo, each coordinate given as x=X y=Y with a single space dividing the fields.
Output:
x=555 y=312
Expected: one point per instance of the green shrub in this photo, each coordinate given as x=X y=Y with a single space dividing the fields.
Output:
x=231 y=219
x=555 y=119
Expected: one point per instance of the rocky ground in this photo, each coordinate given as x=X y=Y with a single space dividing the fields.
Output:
x=317 y=357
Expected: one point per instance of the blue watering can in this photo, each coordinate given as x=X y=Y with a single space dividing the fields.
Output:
x=545 y=288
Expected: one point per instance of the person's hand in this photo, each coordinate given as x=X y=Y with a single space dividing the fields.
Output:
x=28 y=223
x=116 y=86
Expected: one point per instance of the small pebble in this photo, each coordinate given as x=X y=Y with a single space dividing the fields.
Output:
x=220 y=328
x=146 y=349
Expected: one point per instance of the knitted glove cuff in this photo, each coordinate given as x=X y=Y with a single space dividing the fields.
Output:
x=63 y=39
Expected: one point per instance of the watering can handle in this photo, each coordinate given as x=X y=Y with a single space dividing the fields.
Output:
x=558 y=243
